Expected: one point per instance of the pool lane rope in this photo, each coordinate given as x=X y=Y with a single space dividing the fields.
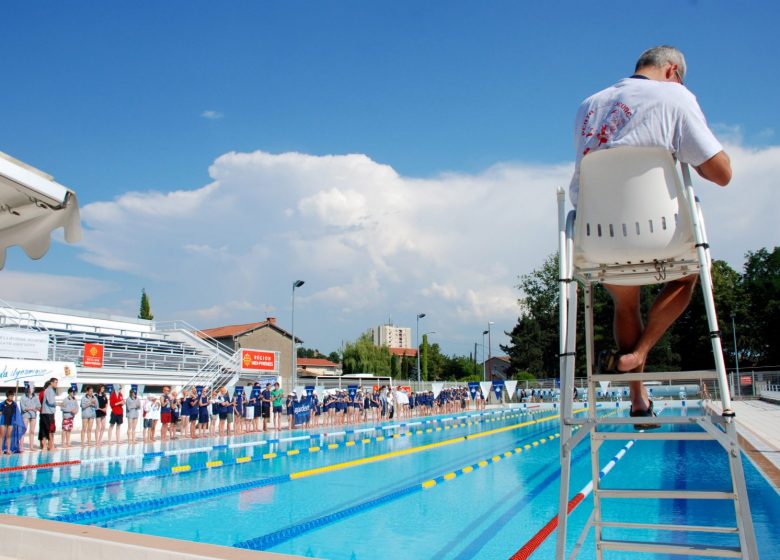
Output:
x=169 y=501
x=218 y=447
x=277 y=537
x=7 y=493
x=533 y=544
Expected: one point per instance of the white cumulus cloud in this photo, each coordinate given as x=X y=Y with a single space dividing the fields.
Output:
x=369 y=242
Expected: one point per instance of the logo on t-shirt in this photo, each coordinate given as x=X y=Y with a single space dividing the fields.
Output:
x=614 y=121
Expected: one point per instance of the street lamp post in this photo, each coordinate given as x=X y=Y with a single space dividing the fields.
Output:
x=490 y=350
x=294 y=378
x=419 y=379
x=484 y=361
x=736 y=355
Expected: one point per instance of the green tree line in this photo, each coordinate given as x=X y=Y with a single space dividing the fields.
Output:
x=362 y=356
x=751 y=298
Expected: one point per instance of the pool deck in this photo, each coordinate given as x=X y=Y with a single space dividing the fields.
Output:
x=28 y=538
x=758 y=425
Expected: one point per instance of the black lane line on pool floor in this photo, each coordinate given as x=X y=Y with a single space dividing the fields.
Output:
x=275 y=538
x=123 y=510
x=7 y=494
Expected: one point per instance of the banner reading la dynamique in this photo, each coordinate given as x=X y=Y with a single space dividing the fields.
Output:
x=36 y=371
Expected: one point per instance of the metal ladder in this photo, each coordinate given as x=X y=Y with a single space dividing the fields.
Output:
x=718 y=427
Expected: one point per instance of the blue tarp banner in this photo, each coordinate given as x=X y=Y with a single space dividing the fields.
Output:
x=75 y=387
x=498 y=386
x=352 y=390
x=302 y=411
x=473 y=389
x=309 y=390
x=109 y=388
x=199 y=390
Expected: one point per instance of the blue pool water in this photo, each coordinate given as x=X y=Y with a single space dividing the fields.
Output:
x=387 y=507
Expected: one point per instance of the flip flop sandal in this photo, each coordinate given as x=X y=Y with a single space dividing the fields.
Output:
x=649 y=413
x=608 y=362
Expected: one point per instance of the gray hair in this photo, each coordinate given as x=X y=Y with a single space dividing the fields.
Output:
x=661 y=56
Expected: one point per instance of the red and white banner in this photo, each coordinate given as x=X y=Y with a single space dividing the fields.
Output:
x=259 y=360
x=93 y=356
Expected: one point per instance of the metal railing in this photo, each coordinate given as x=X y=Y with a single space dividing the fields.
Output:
x=222 y=369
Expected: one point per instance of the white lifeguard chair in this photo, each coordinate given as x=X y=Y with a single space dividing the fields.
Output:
x=636 y=223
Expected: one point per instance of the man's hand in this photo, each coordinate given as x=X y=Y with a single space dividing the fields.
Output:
x=716 y=169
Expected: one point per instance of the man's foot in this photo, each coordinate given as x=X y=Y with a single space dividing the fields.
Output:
x=643 y=411
x=629 y=362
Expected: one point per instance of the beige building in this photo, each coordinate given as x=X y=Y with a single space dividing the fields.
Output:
x=265 y=335
x=392 y=336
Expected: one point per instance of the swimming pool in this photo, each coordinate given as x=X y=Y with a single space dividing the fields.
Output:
x=455 y=487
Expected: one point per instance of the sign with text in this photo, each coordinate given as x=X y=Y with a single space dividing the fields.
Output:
x=24 y=344
x=36 y=372
x=259 y=360
x=93 y=356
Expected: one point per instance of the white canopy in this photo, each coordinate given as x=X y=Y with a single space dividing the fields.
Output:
x=32 y=204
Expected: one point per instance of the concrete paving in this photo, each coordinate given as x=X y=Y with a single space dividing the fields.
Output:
x=758 y=422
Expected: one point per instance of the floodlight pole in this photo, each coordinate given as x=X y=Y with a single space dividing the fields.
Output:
x=419 y=378
x=490 y=351
x=294 y=373
x=484 y=361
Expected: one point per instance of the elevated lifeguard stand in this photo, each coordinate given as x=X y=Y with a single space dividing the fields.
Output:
x=636 y=223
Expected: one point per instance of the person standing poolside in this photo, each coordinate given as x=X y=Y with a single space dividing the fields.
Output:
x=166 y=416
x=133 y=406
x=203 y=412
x=175 y=414
x=7 y=421
x=70 y=407
x=652 y=108
x=277 y=398
x=290 y=414
x=48 y=408
x=89 y=406
x=265 y=410
x=194 y=412
x=31 y=406
x=117 y=403
x=222 y=409
x=257 y=390
x=153 y=416
x=100 y=414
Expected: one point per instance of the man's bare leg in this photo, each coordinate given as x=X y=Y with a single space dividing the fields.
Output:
x=635 y=340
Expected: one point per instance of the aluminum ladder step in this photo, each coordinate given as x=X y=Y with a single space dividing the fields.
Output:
x=653 y=436
x=666 y=494
x=673 y=548
x=656 y=376
x=659 y=420
x=667 y=527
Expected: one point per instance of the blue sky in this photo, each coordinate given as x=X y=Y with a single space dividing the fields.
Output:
x=452 y=97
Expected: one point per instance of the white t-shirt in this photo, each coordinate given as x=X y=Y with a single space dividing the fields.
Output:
x=639 y=112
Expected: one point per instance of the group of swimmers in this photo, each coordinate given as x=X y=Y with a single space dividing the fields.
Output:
x=204 y=412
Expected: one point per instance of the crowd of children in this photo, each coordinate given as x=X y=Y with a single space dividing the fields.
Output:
x=204 y=412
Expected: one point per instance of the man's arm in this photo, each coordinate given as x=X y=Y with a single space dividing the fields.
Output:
x=716 y=169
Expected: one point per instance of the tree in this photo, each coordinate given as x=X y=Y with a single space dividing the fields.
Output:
x=145 y=311
x=424 y=358
x=758 y=319
x=690 y=335
x=362 y=356
x=752 y=298
x=334 y=357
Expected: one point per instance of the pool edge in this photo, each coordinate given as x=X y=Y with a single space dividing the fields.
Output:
x=30 y=538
